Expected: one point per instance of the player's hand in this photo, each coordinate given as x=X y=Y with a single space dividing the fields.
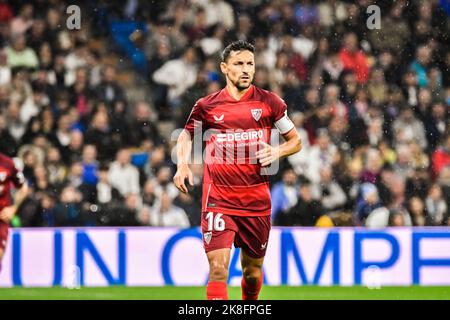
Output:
x=267 y=154
x=182 y=173
x=8 y=213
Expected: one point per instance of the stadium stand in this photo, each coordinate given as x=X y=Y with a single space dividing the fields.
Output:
x=90 y=113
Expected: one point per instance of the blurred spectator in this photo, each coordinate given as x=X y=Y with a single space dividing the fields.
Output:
x=106 y=193
x=331 y=99
x=118 y=214
x=191 y=206
x=435 y=124
x=385 y=217
x=436 y=205
x=417 y=184
x=418 y=212
x=403 y=166
x=244 y=28
x=411 y=88
x=74 y=150
x=165 y=214
x=57 y=171
x=148 y=193
x=80 y=94
x=421 y=64
x=100 y=135
x=407 y=128
x=123 y=175
x=90 y=164
x=320 y=155
x=218 y=11
x=75 y=175
x=19 y=55
x=21 y=23
x=62 y=135
x=284 y=193
x=329 y=192
x=354 y=59
x=372 y=167
x=69 y=211
x=367 y=203
x=350 y=182
x=8 y=145
x=74 y=63
x=142 y=126
x=109 y=89
x=332 y=68
x=441 y=157
x=332 y=12
x=178 y=74
x=305 y=213
x=396 y=219
x=16 y=126
x=375 y=132
x=162 y=182
x=377 y=87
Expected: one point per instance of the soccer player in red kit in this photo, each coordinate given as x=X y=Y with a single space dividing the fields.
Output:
x=236 y=202
x=9 y=175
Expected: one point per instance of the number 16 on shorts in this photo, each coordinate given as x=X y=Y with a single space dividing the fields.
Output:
x=212 y=223
x=215 y=222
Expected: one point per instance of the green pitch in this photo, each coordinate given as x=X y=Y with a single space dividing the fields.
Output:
x=198 y=293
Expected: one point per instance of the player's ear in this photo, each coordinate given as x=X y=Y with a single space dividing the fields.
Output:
x=223 y=67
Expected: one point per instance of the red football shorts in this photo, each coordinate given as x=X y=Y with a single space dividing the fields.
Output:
x=249 y=233
x=4 y=227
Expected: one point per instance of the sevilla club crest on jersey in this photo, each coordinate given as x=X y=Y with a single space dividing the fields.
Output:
x=3 y=176
x=208 y=236
x=256 y=113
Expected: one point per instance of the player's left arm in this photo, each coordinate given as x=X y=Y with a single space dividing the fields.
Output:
x=293 y=144
x=19 y=196
x=269 y=154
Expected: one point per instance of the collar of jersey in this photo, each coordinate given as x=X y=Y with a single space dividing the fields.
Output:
x=243 y=98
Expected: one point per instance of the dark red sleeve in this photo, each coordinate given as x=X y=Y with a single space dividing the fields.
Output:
x=279 y=107
x=194 y=119
x=17 y=177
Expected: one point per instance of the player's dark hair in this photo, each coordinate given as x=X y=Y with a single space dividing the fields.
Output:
x=239 y=45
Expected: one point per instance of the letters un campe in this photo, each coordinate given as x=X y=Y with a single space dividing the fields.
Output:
x=148 y=256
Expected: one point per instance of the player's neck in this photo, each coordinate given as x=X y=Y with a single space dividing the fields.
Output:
x=235 y=92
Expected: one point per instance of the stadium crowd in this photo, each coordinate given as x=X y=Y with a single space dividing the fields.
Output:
x=371 y=106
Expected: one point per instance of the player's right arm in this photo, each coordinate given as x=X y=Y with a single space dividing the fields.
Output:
x=19 y=182
x=184 y=146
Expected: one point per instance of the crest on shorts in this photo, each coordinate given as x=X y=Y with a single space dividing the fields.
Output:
x=207 y=236
x=256 y=113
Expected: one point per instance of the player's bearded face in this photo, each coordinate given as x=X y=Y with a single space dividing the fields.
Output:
x=240 y=68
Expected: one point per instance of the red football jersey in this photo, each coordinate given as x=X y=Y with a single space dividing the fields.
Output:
x=233 y=182
x=9 y=175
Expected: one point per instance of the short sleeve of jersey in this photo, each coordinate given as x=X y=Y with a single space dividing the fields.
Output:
x=17 y=177
x=194 y=119
x=279 y=108
x=280 y=117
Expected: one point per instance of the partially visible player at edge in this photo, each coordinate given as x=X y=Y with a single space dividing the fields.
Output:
x=236 y=202
x=9 y=175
